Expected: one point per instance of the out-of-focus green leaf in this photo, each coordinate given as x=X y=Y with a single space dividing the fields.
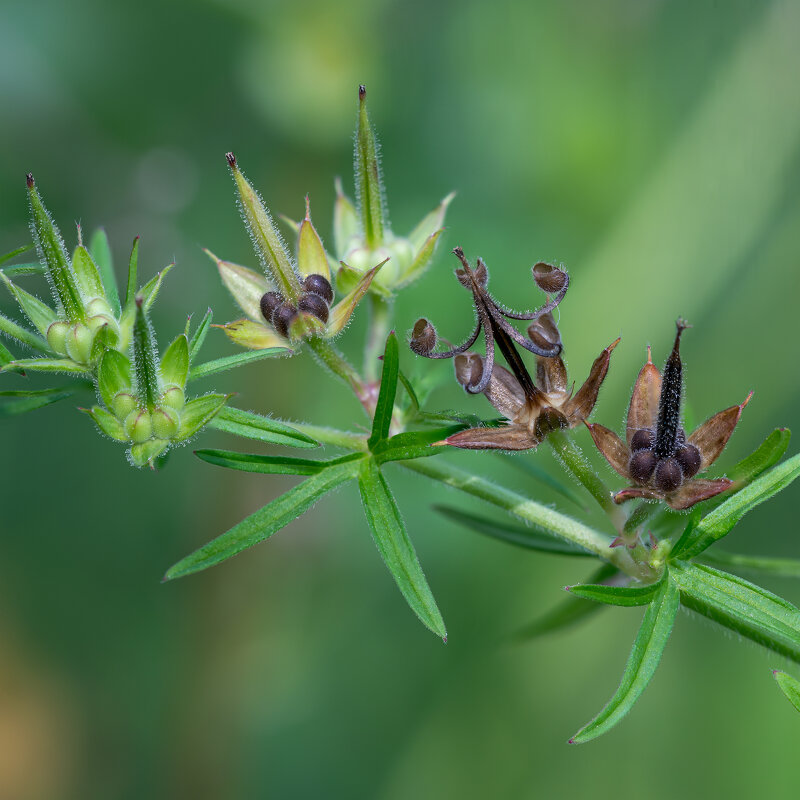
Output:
x=743 y=607
x=26 y=248
x=413 y=444
x=29 y=268
x=389 y=533
x=100 y=249
x=41 y=315
x=149 y=292
x=269 y=465
x=22 y=335
x=567 y=613
x=645 y=655
x=21 y=401
x=263 y=429
x=782 y=567
x=47 y=365
x=522 y=462
x=6 y=356
x=616 y=595
x=384 y=406
x=199 y=336
x=789 y=686
x=722 y=519
x=766 y=455
x=231 y=362
x=505 y=531
x=266 y=521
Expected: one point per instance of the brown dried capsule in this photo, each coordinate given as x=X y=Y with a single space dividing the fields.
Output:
x=282 y=318
x=319 y=285
x=548 y=278
x=269 y=302
x=668 y=475
x=315 y=305
x=543 y=332
x=642 y=465
x=423 y=337
x=642 y=440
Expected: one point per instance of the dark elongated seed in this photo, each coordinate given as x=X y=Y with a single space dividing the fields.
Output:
x=320 y=285
x=282 y=318
x=311 y=303
x=690 y=460
x=643 y=439
x=668 y=475
x=642 y=465
x=269 y=302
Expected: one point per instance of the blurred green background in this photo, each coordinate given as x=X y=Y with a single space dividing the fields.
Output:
x=653 y=147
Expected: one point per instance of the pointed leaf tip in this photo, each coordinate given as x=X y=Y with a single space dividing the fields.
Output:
x=231 y=159
x=29 y=180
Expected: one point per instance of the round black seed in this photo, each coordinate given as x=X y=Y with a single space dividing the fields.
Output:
x=319 y=284
x=668 y=475
x=315 y=305
x=269 y=302
x=690 y=460
x=282 y=318
x=643 y=439
x=641 y=466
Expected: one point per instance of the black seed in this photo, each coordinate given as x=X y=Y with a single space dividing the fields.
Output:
x=641 y=466
x=315 y=305
x=269 y=302
x=282 y=318
x=319 y=284
x=668 y=476
x=690 y=460
x=643 y=439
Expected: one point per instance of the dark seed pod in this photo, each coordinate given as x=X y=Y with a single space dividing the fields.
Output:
x=481 y=273
x=319 y=284
x=269 y=302
x=668 y=475
x=469 y=369
x=643 y=439
x=548 y=278
x=315 y=305
x=543 y=332
x=690 y=460
x=423 y=337
x=282 y=318
x=642 y=465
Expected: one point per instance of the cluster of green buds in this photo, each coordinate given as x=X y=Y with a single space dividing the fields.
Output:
x=145 y=399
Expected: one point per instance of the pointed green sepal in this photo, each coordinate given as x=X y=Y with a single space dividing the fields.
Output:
x=107 y=423
x=245 y=285
x=145 y=454
x=40 y=315
x=421 y=261
x=343 y=310
x=175 y=362
x=431 y=223
x=369 y=183
x=789 y=686
x=311 y=256
x=199 y=336
x=346 y=224
x=113 y=376
x=150 y=290
x=267 y=240
x=86 y=273
x=133 y=272
x=199 y=412
x=254 y=335
x=100 y=250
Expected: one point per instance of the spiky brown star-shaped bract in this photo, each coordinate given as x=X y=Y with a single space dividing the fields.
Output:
x=657 y=456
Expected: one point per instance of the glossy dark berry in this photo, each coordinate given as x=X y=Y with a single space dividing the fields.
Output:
x=643 y=439
x=690 y=460
x=668 y=475
x=642 y=465
x=269 y=302
x=320 y=285
x=282 y=318
x=315 y=305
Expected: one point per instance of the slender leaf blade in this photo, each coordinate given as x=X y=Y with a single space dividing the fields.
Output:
x=644 y=658
x=16 y=252
x=199 y=336
x=396 y=549
x=266 y=521
x=23 y=335
x=28 y=268
x=616 y=595
x=781 y=567
x=385 y=403
x=269 y=465
x=100 y=250
x=47 y=365
x=766 y=455
x=413 y=444
x=790 y=686
x=263 y=429
x=231 y=362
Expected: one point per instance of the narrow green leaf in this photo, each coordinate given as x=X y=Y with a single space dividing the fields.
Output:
x=113 y=375
x=389 y=533
x=789 y=686
x=645 y=655
x=766 y=455
x=133 y=270
x=743 y=607
x=41 y=315
x=721 y=520
x=413 y=444
x=412 y=395
x=231 y=362
x=29 y=401
x=22 y=335
x=199 y=336
x=150 y=290
x=6 y=357
x=369 y=182
x=26 y=248
x=567 y=613
x=782 y=567
x=100 y=248
x=522 y=462
x=263 y=429
x=519 y=535
x=616 y=595
x=266 y=521
x=175 y=362
x=384 y=406
x=47 y=365
x=270 y=465
x=29 y=268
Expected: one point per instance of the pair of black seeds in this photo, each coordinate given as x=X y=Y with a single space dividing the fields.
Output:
x=663 y=455
x=315 y=300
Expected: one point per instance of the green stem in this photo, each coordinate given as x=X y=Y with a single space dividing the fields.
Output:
x=327 y=355
x=567 y=528
x=380 y=318
x=349 y=441
x=639 y=516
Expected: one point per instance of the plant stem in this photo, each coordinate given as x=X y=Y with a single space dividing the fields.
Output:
x=356 y=442
x=327 y=355
x=380 y=316
x=639 y=516
x=553 y=521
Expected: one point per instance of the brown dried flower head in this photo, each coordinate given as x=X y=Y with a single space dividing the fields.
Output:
x=657 y=456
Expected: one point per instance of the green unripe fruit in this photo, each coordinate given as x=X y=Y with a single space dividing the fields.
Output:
x=166 y=422
x=99 y=306
x=98 y=320
x=173 y=397
x=402 y=255
x=123 y=404
x=139 y=426
x=79 y=343
x=57 y=337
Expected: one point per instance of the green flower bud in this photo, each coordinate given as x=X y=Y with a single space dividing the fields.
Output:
x=139 y=426
x=165 y=422
x=123 y=404
x=173 y=397
x=57 y=337
x=99 y=306
x=79 y=343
